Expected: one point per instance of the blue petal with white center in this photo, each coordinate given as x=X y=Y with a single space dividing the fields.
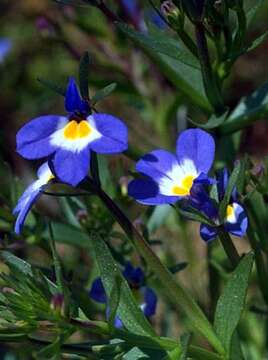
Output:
x=67 y=141
x=169 y=178
x=236 y=221
x=30 y=196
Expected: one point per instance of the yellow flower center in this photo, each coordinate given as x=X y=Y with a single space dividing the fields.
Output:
x=229 y=211
x=185 y=187
x=74 y=130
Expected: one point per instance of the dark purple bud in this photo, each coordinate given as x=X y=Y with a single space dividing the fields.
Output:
x=57 y=304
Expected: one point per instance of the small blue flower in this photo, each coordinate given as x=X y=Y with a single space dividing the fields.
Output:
x=236 y=221
x=31 y=194
x=67 y=141
x=5 y=47
x=136 y=280
x=169 y=178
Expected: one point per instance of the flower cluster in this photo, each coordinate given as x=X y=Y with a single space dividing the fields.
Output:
x=168 y=178
x=67 y=142
x=136 y=280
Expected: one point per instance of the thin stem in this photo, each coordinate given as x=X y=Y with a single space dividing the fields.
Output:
x=229 y=248
x=211 y=88
x=56 y=260
x=177 y=295
x=61 y=194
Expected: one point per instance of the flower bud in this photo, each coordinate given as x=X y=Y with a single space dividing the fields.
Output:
x=171 y=13
x=57 y=304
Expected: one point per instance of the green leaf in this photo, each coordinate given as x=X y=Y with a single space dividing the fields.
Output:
x=232 y=301
x=103 y=93
x=128 y=310
x=114 y=299
x=52 y=86
x=178 y=267
x=257 y=41
x=185 y=343
x=234 y=179
x=252 y=11
x=67 y=234
x=175 y=61
x=16 y=263
x=250 y=108
x=212 y=123
x=84 y=75
x=235 y=350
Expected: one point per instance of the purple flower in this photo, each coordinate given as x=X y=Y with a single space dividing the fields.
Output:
x=169 y=178
x=31 y=194
x=235 y=222
x=136 y=280
x=5 y=47
x=67 y=140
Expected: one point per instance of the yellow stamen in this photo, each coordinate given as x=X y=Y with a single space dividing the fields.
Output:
x=74 y=130
x=185 y=187
x=229 y=211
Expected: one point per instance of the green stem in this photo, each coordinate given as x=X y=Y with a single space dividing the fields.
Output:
x=229 y=248
x=181 y=299
x=56 y=260
x=241 y=31
x=212 y=90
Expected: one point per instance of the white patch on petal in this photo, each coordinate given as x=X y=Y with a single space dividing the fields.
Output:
x=232 y=213
x=75 y=145
x=177 y=178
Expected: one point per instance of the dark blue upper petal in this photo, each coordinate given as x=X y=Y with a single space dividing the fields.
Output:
x=97 y=291
x=5 y=47
x=73 y=100
x=222 y=183
x=150 y=302
x=198 y=146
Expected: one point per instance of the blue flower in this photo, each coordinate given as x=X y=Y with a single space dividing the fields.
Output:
x=235 y=222
x=67 y=140
x=169 y=178
x=5 y=47
x=136 y=280
x=31 y=194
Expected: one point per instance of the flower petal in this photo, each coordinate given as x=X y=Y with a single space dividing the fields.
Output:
x=156 y=164
x=73 y=101
x=30 y=196
x=134 y=275
x=33 y=138
x=97 y=291
x=114 y=133
x=71 y=167
x=146 y=191
x=198 y=146
x=238 y=226
x=150 y=302
x=208 y=233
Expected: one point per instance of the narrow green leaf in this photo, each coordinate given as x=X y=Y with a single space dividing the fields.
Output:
x=84 y=75
x=16 y=263
x=185 y=343
x=114 y=299
x=233 y=181
x=128 y=310
x=232 y=301
x=257 y=42
x=235 y=350
x=175 y=61
x=103 y=93
x=250 y=108
x=52 y=86
x=212 y=123
x=252 y=11
x=67 y=234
